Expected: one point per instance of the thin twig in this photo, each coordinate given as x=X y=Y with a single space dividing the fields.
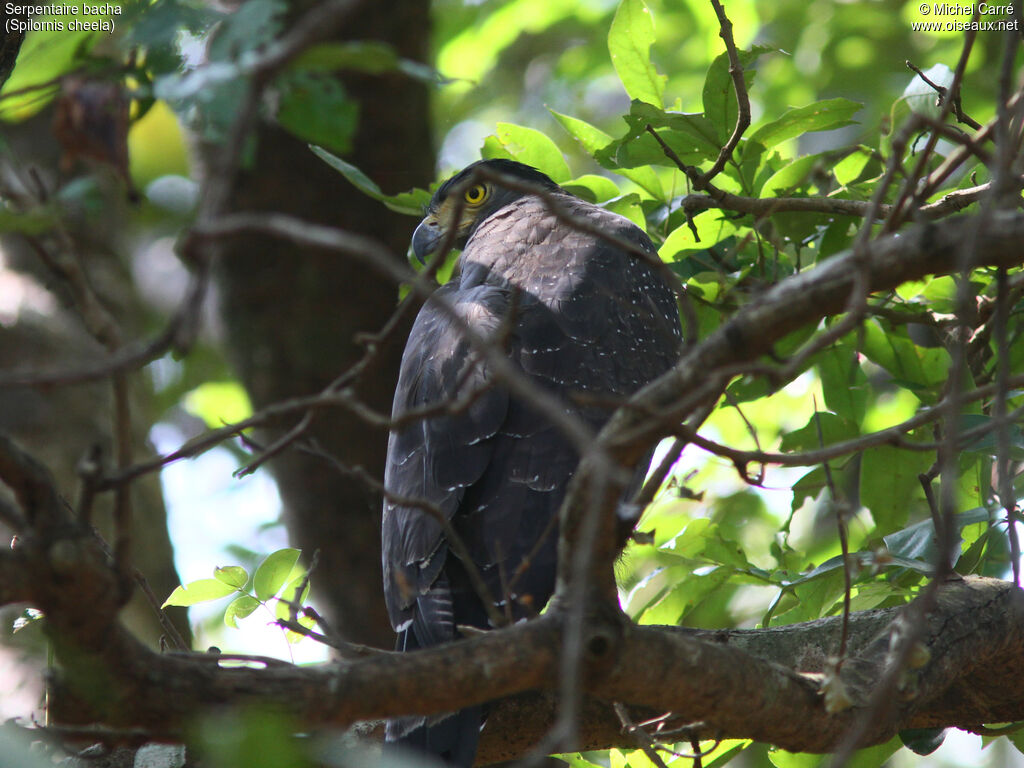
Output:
x=841 y=508
x=740 y=88
x=943 y=93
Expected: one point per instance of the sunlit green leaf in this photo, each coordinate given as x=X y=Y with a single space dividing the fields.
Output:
x=232 y=575
x=686 y=129
x=218 y=403
x=590 y=137
x=782 y=759
x=200 y=591
x=852 y=166
x=239 y=608
x=819 y=116
x=273 y=572
x=791 y=177
x=591 y=187
x=531 y=147
x=870 y=757
x=42 y=59
x=577 y=760
x=629 y=206
x=296 y=637
x=594 y=140
x=629 y=42
x=685 y=594
x=724 y=752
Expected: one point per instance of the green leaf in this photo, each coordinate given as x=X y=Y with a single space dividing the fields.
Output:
x=782 y=759
x=872 y=757
x=533 y=148
x=834 y=429
x=790 y=177
x=696 y=257
x=629 y=43
x=642 y=150
x=201 y=591
x=295 y=637
x=272 y=573
x=889 y=483
x=817 y=596
x=844 y=384
x=592 y=188
x=685 y=129
x=941 y=293
x=836 y=237
x=1017 y=739
x=218 y=403
x=43 y=58
x=411 y=203
x=809 y=485
x=629 y=206
x=918 y=541
x=594 y=140
x=316 y=109
x=719 y=94
x=724 y=753
x=920 y=97
x=849 y=169
x=986 y=444
x=576 y=760
x=591 y=138
x=239 y=608
x=685 y=594
x=869 y=757
x=370 y=56
x=232 y=575
x=891 y=349
x=819 y=116
x=679 y=239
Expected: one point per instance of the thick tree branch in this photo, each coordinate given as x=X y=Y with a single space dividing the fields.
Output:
x=704 y=371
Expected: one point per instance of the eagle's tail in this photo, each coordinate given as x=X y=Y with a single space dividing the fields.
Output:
x=451 y=737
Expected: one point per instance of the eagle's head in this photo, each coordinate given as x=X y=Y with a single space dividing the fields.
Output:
x=469 y=197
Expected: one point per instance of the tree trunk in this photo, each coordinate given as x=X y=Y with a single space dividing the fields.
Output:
x=291 y=316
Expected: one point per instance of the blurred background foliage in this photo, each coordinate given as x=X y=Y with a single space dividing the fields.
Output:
x=535 y=80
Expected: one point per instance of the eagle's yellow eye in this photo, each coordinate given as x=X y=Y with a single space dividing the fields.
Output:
x=476 y=194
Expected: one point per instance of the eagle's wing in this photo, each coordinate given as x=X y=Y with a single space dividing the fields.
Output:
x=434 y=459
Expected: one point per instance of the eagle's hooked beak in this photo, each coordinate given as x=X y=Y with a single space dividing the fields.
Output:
x=426 y=238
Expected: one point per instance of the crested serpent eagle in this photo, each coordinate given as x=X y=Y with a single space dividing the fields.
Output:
x=584 y=320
